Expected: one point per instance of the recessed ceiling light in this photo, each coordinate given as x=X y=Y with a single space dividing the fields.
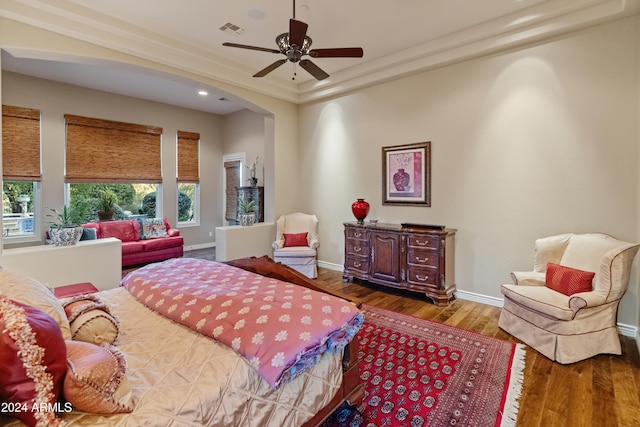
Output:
x=203 y=93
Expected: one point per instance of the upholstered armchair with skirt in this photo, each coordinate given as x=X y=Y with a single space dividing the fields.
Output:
x=296 y=242
x=566 y=308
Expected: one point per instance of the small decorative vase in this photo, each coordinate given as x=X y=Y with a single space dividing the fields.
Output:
x=400 y=179
x=65 y=236
x=360 y=209
x=247 y=219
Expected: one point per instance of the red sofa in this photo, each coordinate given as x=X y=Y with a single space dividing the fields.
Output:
x=135 y=248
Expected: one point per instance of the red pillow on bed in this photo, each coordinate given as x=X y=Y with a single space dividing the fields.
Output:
x=33 y=362
x=299 y=239
x=568 y=280
x=96 y=381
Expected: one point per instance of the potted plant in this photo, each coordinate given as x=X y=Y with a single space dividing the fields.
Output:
x=106 y=205
x=65 y=230
x=246 y=212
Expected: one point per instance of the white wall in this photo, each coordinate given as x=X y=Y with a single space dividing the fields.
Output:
x=525 y=144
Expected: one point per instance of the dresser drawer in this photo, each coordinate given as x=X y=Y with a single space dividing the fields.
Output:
x=422 y=258
x=422 y=241
x=357 y=247
x=356 y=233
x=359 y=264
x=422 y=277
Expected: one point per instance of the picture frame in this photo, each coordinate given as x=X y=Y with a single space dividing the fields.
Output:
x=406 y=174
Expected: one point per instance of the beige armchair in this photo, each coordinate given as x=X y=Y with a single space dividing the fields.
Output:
x=570 y=328
x=296 y=242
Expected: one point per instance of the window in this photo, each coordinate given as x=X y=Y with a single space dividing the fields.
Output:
x=21 y=173
x=123 y=158
x=132 y=200
x=188 y=159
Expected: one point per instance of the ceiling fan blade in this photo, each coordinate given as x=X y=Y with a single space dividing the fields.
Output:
x=341 y=52
x=244 y=46
x=297 y=31
x=313 y=69
x=270 y=68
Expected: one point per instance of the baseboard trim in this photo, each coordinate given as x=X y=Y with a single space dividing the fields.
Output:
x=200 y=246
x=628 y=331
x=483 y=299
x=330 y=266
x=623 y=329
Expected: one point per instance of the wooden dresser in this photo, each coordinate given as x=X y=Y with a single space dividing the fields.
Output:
x=405 y=257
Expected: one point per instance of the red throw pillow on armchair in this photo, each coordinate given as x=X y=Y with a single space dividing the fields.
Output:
x=33 y=362
x=568 y=280
x=298 y=239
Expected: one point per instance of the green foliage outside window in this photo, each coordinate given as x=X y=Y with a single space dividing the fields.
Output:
x=11 y=190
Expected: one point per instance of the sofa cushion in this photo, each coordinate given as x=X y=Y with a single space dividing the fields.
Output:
x=132 y=247
x=552 y=305
x=158 y=244
x=568 y=280
x=126 y=231
x=89 y=233
x=154 y=227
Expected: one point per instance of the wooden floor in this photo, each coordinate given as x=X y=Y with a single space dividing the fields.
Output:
x=601 y=391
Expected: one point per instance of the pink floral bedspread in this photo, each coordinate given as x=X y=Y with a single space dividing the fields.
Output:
x=280 y=328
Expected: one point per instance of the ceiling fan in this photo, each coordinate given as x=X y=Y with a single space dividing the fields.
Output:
x=295 y=45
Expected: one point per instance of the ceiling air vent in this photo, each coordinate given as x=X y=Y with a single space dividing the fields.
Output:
x=232 y=28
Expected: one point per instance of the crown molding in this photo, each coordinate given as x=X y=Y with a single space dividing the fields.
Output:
x=523 y=28
x=531 y=25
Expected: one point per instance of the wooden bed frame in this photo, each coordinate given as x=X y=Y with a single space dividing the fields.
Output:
x=352 y=390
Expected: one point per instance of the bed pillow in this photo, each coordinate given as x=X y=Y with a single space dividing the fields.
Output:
x=568 y=280
x=32 y=362
x=297 y=239
x=153 y=228
x=96 y=379
x=30 y=292
x=91 y=320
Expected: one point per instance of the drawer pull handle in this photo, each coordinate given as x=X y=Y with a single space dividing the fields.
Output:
x=422 y=260
x=422 y=278
x=419 y=243
x=357 y=234
x=357 y=264
x=357 y=249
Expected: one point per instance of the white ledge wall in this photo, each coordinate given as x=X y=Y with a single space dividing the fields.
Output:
x=96 y=261
x=236 y=241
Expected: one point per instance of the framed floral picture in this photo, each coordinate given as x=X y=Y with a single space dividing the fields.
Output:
x=406 y=174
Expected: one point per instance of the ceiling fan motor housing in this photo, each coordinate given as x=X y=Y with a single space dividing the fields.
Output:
x=293 y=52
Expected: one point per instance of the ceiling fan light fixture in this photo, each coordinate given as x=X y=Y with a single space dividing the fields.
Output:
x=293 y=52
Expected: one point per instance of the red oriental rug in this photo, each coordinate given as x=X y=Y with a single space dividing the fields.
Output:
x=423 y=373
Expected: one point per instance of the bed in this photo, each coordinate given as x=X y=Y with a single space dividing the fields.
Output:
x=180 y=376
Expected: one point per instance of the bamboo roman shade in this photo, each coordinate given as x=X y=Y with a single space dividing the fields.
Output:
x=112 y=152
x=232 y=173
x=20 y=144
x=188 y=157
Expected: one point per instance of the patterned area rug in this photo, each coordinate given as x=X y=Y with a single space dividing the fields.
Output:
x=423 y=373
